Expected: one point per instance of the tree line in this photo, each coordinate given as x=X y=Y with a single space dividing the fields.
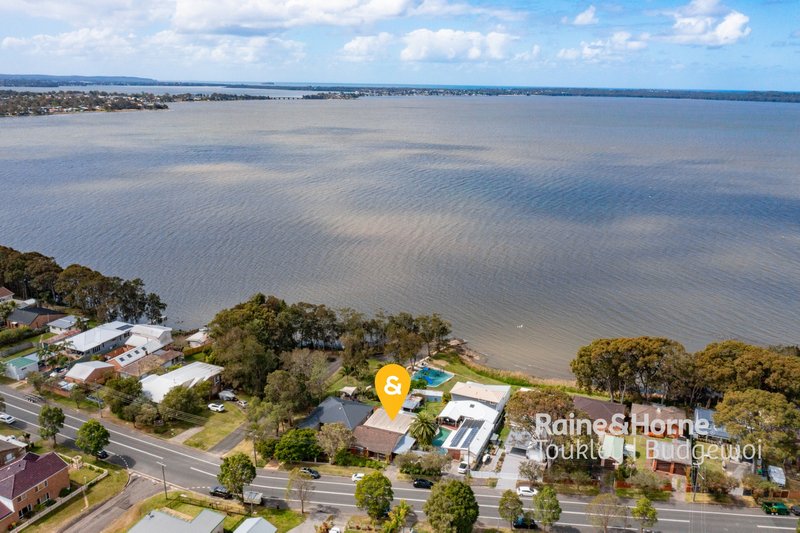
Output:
x=104 y=298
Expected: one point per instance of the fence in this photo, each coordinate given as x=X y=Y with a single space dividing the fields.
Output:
x=5 y=352
x=61 y=501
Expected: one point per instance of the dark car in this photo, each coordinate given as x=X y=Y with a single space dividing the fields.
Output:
x=795 y=509
x=102 y=454
x=524 y=522
x=423 y=483
x=221 y=492
x=310 y=472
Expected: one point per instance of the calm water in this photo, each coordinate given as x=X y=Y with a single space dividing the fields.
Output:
x=534 y=224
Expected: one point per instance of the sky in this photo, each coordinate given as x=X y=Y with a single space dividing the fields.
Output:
x=697 y=44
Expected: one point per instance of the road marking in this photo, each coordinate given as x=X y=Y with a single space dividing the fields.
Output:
x=202 y=471
x=694 y=511
x=194 y=458
x=775 y=527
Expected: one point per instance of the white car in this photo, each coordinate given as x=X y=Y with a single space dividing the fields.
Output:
x=358 y=476
x=8 y=419
x=218 y=407
x=463 y=468
x=334 y=530
x=526 y=491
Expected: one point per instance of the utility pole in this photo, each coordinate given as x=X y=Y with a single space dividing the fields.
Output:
x=164 y=477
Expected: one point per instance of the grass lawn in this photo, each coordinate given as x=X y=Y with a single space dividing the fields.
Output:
x=656 y=496
x=284 y=519
x=83 y=475
x=331 y=470
x=246 y=447
x=108 y=487
x=217 y=427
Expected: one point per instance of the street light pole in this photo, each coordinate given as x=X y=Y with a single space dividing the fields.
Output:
x=164 y=477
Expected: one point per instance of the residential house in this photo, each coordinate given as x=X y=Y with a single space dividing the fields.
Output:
x=63 y=325
x=156 y=387
x=27 y=482
x=612 y=450
x=381 y=420
x=150 y=337
x=712 y=431
x=6 y=295
x=532 y=447
x=138 y=362
x=255 y=525
x=20 y=367
x=658 y=420
x=613 y=414
x=335 y=410
x=473 y=423
x=495 y=396
x=32 y=317
x=375 y=442
x=201 y=338
x=670 y=457
x=205 y=522
x=90 y=372
x=11 y=449
x=98 y=340
x=412 y=403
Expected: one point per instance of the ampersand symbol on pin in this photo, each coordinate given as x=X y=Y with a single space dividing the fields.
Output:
x=393 y=386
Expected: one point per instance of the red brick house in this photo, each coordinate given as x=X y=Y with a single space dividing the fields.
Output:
x=27 y=482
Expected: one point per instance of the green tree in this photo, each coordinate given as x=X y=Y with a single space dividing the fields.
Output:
x=299 y=486
x=646 y=481
x=755 y=416
x=147 y=414
x=120 y=392
x=645 y=513
x=51 y=421
x=334 y=437
x=266 y=448
x=36 y=380
x=531 y=471
x=92 y=437
x=606 y=511
x=247 y=362
x=716 y=481
x=297 y=445
x=423 y=428
x=433 y=330
x=77 y=395
x=235 y=472
x=524 y=407
x=404 y=344
x=546 y=507
x=452 y=507
x=180 y=401
x=396 y=521
x=510 y=507
x=374 y=495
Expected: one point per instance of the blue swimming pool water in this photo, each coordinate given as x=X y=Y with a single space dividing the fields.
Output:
x=433 y=376
x=441 y=437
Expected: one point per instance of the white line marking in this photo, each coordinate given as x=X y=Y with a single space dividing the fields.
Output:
x=776 y=527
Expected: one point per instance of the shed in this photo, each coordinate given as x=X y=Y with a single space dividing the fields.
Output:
x=776 y=475
x=20 y=367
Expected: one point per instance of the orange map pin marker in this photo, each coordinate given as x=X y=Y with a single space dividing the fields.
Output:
x=393 y=385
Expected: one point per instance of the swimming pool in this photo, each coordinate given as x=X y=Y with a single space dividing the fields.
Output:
x=441 y=437
x=433 y=376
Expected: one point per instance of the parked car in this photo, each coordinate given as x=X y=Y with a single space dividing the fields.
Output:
x=795 y=510
x=217 y=407
x=421 y=483
x=358 y=476
x=242 y=404
x=7 y=418
x=335 y=530
x=526 y=491
x=102 y=454
x=220 y=492
x=524 y=522
x=311 y=472
x=778 y=508
x=463 y=468
x=227 y=396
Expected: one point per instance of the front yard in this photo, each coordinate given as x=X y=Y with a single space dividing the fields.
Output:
x=217 y=427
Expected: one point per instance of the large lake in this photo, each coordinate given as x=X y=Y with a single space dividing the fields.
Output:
x=534 y=224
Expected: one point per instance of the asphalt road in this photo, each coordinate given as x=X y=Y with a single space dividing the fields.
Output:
x=188 y=468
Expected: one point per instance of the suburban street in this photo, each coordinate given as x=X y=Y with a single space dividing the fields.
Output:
x=188 y=468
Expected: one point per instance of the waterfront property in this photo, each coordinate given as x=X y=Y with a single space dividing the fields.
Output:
x=63 y=325
x=657 y=420
x=494 y=396
x=471 y=426
x=5 y=295
x=32 y=317
x=98 y=340
x=378 y=443
x=602 y=410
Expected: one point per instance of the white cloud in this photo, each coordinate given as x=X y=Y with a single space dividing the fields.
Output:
x=612 y=49
x=708 y=23
x=223 y=48
x=367 y=47
x=455 y=45
x=531 y=55
x=84 y=42
x=439 y=8
x=583 y=18
x=119 y=13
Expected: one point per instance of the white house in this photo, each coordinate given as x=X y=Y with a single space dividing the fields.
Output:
x=152 y=337
x=101 y=339
x=198 y=339
x=156 y=387
x=63 y=325
x=6 y=295
x=473 y=425
x=495 y=396
x=20 y=367
x=89 y=372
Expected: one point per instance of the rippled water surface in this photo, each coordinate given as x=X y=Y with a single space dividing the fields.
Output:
x=533 y=224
